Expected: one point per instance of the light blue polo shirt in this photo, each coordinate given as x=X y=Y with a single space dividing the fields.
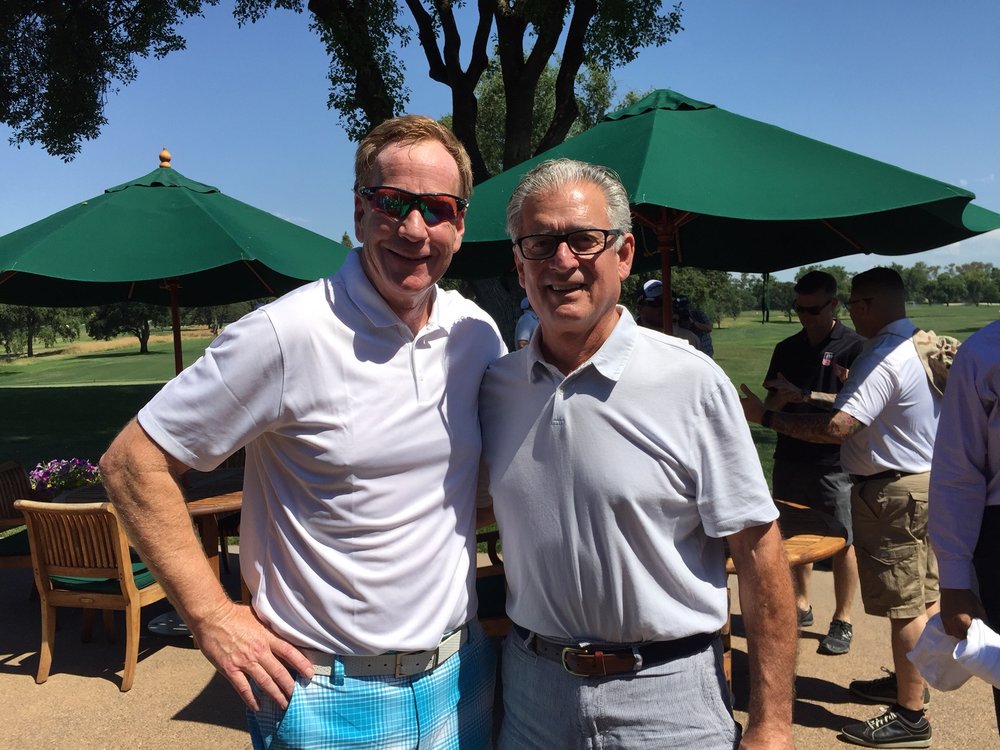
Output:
x=614 y=486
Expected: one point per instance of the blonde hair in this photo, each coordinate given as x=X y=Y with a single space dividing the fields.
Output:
x=410 y=129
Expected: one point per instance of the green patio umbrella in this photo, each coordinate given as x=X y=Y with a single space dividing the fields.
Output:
x=161 y=239
x=715 y=190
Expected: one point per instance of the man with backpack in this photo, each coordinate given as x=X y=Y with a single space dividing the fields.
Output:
x=885 y=420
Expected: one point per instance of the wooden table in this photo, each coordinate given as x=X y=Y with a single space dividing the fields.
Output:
x=807 y=536
x=211 y=495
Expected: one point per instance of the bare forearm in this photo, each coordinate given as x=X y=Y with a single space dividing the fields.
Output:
x=142 y=482
x=145 y=490
x=816 y=428
x=768 y=606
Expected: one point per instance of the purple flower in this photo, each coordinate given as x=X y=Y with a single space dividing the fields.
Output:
x=63 y=474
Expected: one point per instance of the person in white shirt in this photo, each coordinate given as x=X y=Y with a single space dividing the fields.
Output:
x=356 y=399
x=884 y=419
x=619 y=465
x=965 y=488
x=526 y=325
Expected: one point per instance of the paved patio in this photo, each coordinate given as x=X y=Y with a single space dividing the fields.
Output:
x=178 y=700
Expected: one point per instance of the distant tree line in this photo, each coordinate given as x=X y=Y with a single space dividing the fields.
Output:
x=22 y=328
x=969 y=283
x=719 y=294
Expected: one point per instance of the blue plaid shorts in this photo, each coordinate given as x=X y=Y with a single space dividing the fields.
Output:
x=446 y=708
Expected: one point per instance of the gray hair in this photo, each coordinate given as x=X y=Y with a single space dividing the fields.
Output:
x=556 y=173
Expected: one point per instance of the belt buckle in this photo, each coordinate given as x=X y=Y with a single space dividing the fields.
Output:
x=599 y=658
x=433 y=656
x=584 y=652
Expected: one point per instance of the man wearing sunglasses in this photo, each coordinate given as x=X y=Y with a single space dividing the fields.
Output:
x=884 y=420
x=618 y=463
x=804 y=368
x=356 y=398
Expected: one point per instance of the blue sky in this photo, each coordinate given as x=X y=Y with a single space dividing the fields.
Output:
x=911 y=82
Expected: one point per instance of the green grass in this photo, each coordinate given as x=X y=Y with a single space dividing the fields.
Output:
x=743 y=349
x=57 y=406
x=123 y=364
x=65 y=406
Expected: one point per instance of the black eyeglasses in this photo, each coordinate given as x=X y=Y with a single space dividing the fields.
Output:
x=811 y=309
x=397 y=204
x=580 y=241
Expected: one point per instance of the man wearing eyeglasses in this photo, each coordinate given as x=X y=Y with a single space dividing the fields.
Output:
x=619 y=464
x=804 y=369
x=356 y=398
x=884 y=419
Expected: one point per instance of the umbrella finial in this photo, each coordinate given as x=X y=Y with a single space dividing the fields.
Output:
x=165 y=158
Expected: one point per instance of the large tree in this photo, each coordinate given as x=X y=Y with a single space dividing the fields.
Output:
x=135 y=318
x=60 y=60
x=21 y=326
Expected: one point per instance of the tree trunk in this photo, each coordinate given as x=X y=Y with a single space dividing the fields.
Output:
x=494 y=297
x=143 y=334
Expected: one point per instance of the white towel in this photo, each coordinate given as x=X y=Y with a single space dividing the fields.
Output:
x=934 y=656
x=979 y=653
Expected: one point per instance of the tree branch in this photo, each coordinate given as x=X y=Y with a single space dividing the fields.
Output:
x=566 y=109
x=428 y=40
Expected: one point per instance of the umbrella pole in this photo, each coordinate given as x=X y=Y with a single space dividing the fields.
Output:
x=175 y=323
x=666 y=236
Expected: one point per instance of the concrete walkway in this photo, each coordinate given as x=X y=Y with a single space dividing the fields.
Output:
x=178 y=701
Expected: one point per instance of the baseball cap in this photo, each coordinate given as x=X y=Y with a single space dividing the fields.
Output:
x=652 y=290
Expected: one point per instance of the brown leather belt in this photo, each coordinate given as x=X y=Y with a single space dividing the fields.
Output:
x=893 y=474
x=600 y=660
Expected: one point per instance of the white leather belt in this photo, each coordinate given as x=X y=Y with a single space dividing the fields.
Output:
x=399 y=664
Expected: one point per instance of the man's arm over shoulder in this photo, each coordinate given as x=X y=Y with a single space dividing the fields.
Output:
x=768 y=606
x=142 y=481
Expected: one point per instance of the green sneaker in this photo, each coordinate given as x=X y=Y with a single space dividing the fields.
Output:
x=881 y=689
x=889 y=730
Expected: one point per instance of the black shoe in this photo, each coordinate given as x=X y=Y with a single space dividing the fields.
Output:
x=882 y=689
x=889 y=730
x=838 y=639
x=805 y=617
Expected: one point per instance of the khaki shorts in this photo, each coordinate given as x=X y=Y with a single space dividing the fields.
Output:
x=896 y=566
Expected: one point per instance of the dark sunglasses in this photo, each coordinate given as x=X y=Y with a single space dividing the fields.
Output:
x=436 y=208
x=812 y=309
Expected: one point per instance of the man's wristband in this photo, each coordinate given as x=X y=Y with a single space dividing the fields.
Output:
x=767 y=418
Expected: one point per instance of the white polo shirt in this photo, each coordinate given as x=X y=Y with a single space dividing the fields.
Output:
x=363 y=443
x=614 y=486
x=889 y=393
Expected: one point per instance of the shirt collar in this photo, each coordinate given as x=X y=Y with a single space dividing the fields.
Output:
x=610 y=360
x=364 y=294
x=903 y=327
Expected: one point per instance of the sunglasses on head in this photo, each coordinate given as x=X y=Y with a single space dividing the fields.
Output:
x=435 y=208
x=811 y=309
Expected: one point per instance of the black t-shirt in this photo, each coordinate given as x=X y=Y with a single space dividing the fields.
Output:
x=811 y=367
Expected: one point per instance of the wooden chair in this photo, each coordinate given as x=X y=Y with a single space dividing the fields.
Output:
x=14 y=485
x=491 y=588
x=81 y=558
